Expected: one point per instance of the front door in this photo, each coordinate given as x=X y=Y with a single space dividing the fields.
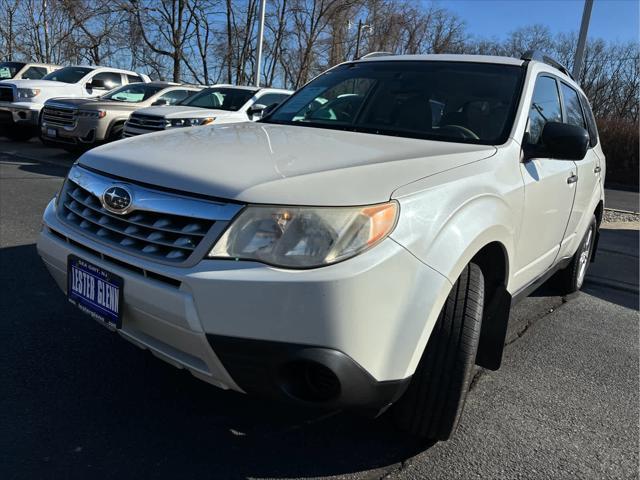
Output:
x=549 y=192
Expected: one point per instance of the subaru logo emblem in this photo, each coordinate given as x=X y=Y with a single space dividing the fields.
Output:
x=117 y=200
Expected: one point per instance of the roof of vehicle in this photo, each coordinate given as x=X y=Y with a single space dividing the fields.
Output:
x=445 y=58
x=97 y=67
x=168 y=84
x=249 y=87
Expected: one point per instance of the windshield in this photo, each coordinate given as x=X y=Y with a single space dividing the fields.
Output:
x=221 y=98
x=448 y=101
x=9 y=69
x=68 y=74
x=133 y=93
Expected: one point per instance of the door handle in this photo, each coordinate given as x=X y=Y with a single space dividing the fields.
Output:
x=572 y=179
x=598 y=169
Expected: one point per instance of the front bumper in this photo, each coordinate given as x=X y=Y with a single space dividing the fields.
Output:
x=20 y=113
x=85 y=131
x=261 y=330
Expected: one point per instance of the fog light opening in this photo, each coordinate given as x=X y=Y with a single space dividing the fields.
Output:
x=310 y=381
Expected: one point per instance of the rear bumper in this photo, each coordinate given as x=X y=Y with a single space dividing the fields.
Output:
x=359 y=326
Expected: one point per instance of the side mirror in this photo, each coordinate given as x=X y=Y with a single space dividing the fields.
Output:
x=256 y=111
x=97 y=83
x=563 y=141
x=160 y=102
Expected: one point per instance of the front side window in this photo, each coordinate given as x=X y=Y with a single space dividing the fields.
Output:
x=221 y=98
x=572 y=106
x=448 y=101
x=68 y=74
x=269 y=99
x=133 y=93
x=34 y=73
x=175 y=96
x=111 y=80
x=545 y=107
x=10 y=69
x=133 y=78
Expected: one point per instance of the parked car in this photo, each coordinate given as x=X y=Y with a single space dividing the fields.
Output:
x=359 y=254
x=21 y=101
x=217 y=104
x=81 y=123
x=25 y=70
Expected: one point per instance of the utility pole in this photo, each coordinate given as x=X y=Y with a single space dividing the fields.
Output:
x=260 y=36
x=582 y=39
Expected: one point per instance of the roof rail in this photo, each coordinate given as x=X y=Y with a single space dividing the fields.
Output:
x=541 y=57
x=376 y=54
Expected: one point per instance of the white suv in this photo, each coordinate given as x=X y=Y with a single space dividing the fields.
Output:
x=359 y=247
x=214 y=105
x=21 y=101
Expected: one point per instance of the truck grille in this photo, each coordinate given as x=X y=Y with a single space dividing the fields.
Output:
x=59 y=115
x=6 y=94
x=161 y=236
x=148 y=123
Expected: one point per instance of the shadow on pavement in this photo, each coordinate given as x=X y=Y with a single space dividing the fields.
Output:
x=614 y=274
x=40 y=168
x=80 y=402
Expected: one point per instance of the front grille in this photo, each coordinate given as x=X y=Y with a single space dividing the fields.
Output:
x=146 y=122
x=58 y=115
x=166 y=237
x=6 y=94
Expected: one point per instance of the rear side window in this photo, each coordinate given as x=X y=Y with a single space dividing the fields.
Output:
x=591 y=121
x=545 y=107
x=572 y=107
x=34 y=73
x=133 y=79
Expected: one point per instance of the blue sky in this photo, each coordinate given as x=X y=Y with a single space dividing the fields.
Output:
x=612 y=20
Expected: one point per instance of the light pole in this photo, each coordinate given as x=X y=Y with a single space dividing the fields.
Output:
x=260 y=36
x=361 y=26
x=582 y=39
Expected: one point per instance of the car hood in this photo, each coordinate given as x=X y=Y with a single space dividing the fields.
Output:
x=183 y=111
x=267 y=163
x=95 y=103
x=37 y=83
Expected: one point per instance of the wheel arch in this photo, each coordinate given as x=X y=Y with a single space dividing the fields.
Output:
x=493 y=261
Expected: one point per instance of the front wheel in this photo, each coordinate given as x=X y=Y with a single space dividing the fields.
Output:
x=433 y=403
x=571 y=278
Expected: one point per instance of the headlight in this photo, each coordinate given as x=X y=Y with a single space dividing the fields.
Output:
x=189 y=122
x=304 y=237
x=92 y=113
x=28 y=92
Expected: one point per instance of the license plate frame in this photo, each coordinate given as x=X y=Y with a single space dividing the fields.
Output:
x=95 y=291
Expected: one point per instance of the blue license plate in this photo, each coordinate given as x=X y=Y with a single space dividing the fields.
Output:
x=95 y=291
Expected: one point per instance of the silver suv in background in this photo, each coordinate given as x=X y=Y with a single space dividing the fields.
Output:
x=81 y=123
x=214 y=105
x=353 y=248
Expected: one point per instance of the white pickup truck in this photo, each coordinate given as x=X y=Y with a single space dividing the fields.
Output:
x=21 y=101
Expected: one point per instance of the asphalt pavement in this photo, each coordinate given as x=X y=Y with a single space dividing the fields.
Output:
x=79 y=402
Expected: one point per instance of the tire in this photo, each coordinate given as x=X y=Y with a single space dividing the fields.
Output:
x=19 y=133
x=433 y=403
x=571 y=278
x=116 y=132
